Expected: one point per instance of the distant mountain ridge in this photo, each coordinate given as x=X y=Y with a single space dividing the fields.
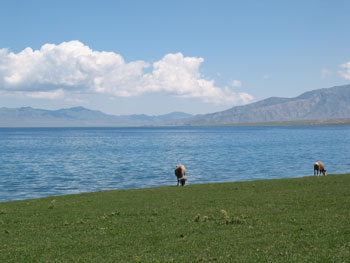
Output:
x=321 y=104
x=317 y=105
x=77 y=117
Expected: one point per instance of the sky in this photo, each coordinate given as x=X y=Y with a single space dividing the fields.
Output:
x=156 y=57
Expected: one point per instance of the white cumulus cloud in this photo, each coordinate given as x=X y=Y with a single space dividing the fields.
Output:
x=56 y=70
x=346 y=72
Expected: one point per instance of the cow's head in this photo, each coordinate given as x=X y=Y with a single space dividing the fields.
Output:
x=183 y=181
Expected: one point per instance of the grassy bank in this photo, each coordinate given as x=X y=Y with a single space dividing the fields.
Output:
x=291 y=220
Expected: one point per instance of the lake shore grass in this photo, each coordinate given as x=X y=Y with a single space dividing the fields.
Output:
x=285 y=220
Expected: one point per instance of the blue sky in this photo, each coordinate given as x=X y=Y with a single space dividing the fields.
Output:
x=155 y=57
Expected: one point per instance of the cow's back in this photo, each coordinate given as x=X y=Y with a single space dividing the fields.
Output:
x=321 y=166
x=180 y=171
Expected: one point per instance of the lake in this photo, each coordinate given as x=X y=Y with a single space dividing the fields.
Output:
x=39 y=162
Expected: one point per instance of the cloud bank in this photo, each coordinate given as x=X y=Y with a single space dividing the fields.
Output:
x=72 y=67
x=345 y=73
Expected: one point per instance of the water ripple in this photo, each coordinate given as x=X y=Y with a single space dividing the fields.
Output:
x=55 y=161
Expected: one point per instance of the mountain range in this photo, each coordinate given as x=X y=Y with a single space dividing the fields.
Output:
x=317 y=105
x=77 y=117
x=322 y=104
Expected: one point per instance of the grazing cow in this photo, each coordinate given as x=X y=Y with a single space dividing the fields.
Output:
x=319 y=168
x=180 y=172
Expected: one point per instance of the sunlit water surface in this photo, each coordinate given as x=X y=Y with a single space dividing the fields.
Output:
x=38 y=162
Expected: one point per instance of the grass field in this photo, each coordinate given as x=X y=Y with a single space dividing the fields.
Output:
x=290 y=220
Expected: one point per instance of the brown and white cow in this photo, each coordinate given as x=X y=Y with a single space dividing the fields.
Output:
x=180 y=172
x=319 y=168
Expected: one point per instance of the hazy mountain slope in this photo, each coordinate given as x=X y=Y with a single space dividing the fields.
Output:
x=330 y=103
x=78 y=116
x=322 y=104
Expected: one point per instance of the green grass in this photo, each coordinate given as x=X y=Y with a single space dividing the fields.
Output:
x=290 y=220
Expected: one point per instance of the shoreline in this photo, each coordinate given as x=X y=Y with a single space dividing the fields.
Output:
x=298 y=123
x=166 y=186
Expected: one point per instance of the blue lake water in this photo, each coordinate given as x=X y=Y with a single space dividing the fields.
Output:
x=38 y=162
